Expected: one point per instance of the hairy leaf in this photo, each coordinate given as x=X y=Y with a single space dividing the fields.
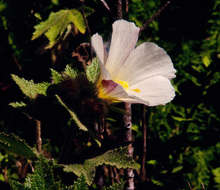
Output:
x=56 y=76
x=73 y=115
x=29 y=88
x=14 y=144
x=93 y=71
x=70 y=71
x=117 y=157
x=17 y=104
x=54 y=27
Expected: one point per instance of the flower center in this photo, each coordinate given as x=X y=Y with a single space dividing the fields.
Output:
x=125 y=85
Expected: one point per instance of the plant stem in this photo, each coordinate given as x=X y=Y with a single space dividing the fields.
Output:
x=105 y=5
x=126 y=4
x=128 y=138
x=144 y=132
x=119 y=9
x=154 y=16
x=38 y=136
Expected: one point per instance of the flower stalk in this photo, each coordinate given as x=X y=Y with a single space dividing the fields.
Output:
x=144 y=132
x=38 y=136
x=128 y=138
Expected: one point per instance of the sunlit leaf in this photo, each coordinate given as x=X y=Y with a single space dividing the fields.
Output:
x=55 y=26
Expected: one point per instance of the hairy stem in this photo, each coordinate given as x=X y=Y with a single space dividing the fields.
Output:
x=38 y=135
x=126 y=6
x=128 y=138
x=144 y=132
x=119 y=9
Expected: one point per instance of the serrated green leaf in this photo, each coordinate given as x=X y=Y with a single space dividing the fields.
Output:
x=56 y=76
x=69 y=71
x=73 y=115
x=54 y=27
x=17 y=104
x=14 y=144
x=77 y=19
x=116 y=157
x=29 y=88
x=79 y=170
x=93 y=71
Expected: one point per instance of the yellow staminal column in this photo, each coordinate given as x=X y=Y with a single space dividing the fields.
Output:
x=125 y=85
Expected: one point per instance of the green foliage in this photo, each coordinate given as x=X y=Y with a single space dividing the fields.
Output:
x=73 y=115
x=14 y=144
x=29 y=88
x=116 y=186
x=68 y=72
x=71 y=72
x=15 y=185
x=56 y=76
x=80 y=184
x=17 y=104
x=216 y=173
x=2 y=6
x=182 y=135
x=202 y=161
x=93 y=71
x=41 y=179
x=55 y=26
x=117 y=157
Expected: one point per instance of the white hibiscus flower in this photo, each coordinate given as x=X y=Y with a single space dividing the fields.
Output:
x=134 y=75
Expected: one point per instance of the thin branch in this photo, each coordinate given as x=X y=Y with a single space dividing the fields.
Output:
x=126 y=6
x=144 y=131
x=38 y=135
x=128 y=138
x=105 y=5
x=190 y=187
x=111 y=173
x=117 y=177
x=154 y=16
x=119 y=9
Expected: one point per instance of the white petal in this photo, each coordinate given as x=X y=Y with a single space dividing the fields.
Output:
x=119 y=93
x=154 y=91
x=105 y=75
x=145 y=61
x=124 y=38
x=97 y=44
